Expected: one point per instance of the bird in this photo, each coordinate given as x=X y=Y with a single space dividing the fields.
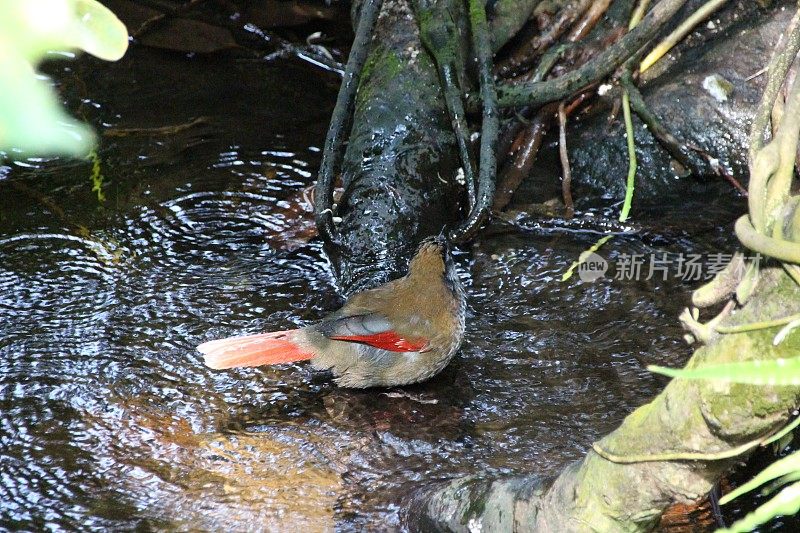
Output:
x=401 y=332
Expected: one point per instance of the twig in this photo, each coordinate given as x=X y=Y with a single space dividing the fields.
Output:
x=47 y=203
x=592 y=71
x=756 y=74
x=162 y=130
x=566 y=178
x=585 y=25
x=719 y=169
x=679 y=33
x=528 y=53
x=342 y=112
x=487 y=170
x=526 y=149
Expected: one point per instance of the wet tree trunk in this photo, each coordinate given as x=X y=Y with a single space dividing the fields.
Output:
x=399 y=170
x=400 y=166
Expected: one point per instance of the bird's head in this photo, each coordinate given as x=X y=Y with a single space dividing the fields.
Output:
x=432 y=258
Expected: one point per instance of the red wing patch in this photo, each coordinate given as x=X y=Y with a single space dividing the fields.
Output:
x=387 y=340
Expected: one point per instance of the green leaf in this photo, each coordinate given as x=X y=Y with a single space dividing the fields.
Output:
x=98 y=31
x=779 y=468
x=787 y=502
x=772 y=372
x=31 y=118
x=33 y=28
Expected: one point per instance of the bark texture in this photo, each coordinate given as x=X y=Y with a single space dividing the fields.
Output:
x=401 y=163
x=400 y=166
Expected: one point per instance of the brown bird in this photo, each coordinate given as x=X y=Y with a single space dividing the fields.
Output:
x=404 y=331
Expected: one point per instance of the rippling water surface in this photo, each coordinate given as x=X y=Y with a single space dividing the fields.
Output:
x=108 y=417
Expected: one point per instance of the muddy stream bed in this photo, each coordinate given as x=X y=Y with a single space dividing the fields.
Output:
x=108 y=418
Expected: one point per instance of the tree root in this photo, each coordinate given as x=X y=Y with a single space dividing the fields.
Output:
x=566 y=174
x=697 y=456
x=487 y=169
x=594 y=70
x=342 y=112
x=440 y=35
x=755 y=326
x=704 y=333
x=527 y=54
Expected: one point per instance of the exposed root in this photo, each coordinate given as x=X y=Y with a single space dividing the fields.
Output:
x=440 y=36
x=593 y=71
x=566 y=173
x=526 y=55
x=487 y=170
x=704 y=332
x=529 y=141
x=342 y=112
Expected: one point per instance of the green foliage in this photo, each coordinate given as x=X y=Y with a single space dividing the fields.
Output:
x=787 y=502
x=785 y=469
x=31 y=119
x=777 y=372
x=780 y=372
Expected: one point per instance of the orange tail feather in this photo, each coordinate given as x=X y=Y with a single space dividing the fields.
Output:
x=254 y=350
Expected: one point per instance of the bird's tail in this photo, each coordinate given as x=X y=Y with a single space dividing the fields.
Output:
x=254 y=350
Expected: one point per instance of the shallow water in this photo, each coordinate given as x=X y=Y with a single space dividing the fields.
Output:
x=108 y=417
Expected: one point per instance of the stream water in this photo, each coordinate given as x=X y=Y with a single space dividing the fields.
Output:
x=108 y=418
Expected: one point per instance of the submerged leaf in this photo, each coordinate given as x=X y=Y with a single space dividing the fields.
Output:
x=186 y=35
x=773 y=372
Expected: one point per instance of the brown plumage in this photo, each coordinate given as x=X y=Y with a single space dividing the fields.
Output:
x=401 y=332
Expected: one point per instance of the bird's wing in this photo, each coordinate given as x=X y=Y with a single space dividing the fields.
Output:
x=372 y=329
